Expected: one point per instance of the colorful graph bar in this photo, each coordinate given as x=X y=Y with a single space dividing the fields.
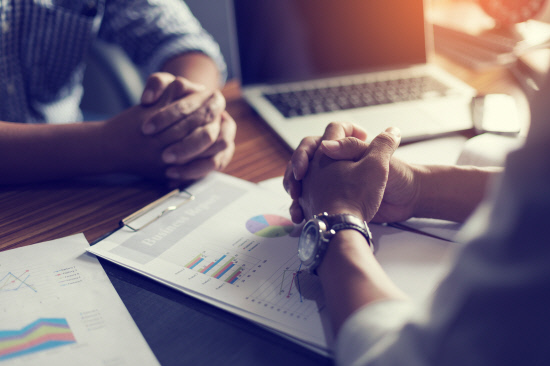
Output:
x=40 y=335
x=11 y=282
x=199 y=258
x=224 y=270
x=234 y=276
x=212 y=265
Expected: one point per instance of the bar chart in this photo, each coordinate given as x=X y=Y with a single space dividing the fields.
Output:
x=227 y=267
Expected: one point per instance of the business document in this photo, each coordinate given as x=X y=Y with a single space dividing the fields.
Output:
x=58 y=307
x=234 y=246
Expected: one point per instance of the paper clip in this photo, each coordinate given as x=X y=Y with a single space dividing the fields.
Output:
x=136 y=215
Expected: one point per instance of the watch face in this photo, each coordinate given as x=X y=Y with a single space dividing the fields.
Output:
x=512 y=11
x=308 y=242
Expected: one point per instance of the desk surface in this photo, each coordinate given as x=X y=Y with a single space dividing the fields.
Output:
x=181 y=330
x=38 y=212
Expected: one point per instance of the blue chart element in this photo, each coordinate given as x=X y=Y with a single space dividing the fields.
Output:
x=40 y=335
x=212 y=265
x=11 y=282
x=196 y=263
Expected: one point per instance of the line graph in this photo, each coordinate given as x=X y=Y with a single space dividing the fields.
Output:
x=290 y=291
x=10 y=282
x=295 y=281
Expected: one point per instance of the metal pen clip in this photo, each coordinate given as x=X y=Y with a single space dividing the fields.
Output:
x=136 y=215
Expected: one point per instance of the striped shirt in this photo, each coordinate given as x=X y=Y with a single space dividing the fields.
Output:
x=43 y=46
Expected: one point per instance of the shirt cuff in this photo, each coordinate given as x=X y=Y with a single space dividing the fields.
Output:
x=368 y=326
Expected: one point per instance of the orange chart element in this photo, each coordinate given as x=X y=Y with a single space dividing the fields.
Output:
x=271 y=226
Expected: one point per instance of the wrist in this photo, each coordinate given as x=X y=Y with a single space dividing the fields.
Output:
x=318 y=233
x=347 y=246
x=421 y=200
x=338 y=208
x=351 y=269
x=450 y=192
x=114 y=155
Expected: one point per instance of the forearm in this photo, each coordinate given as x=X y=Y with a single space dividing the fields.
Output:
x=450 y=192
x=43 y=152
x=352 y=277
x=196 y=67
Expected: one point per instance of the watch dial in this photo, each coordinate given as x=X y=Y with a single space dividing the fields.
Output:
x=308 y=242
x=507 y=12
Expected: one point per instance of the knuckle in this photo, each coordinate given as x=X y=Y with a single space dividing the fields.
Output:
x=222 y=144
x=178 y=128
x=219 y=100
x=179 y=85
x=354 y=142
x=211 y=163
x=386 y=140
x=219 y=162
x=230 y=126
x=303 y=142
x=182 y=107
x=154 y=78
x=306 y=142
x=297 y=156
x=200 y=113
x=156 y=120
x=208 y=113
x=333 y=125
x=207 y=136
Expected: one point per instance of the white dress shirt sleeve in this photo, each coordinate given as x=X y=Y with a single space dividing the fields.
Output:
x=492 y=308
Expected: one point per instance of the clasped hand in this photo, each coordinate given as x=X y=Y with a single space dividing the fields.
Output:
x=340 y=173
x=180 y=131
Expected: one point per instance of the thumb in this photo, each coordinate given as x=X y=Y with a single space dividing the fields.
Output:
x=349 y=148
x=154 y=86
x=387 y=142
x=160 y=82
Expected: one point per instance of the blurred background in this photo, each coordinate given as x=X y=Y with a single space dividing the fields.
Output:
x=112 y=84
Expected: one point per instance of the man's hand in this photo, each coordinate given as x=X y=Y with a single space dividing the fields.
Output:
x=402 y=188
x=401 y=192
x=183 y=135
x=353 y=186
x=216 y=157
x=202 y=134
x=299 y=163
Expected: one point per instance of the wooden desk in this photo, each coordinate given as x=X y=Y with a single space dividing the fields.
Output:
x=38 y=212
x=35 y=213
x=178 y=328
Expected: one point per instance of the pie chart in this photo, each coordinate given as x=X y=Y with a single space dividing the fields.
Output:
x=270 y=226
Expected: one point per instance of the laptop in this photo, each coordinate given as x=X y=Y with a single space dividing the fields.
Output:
x=305 y=63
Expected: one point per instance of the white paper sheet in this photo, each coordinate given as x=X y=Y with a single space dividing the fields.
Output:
x=58 y=307
x=234 y=246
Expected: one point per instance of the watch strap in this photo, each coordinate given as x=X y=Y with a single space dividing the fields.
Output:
x=339 y=222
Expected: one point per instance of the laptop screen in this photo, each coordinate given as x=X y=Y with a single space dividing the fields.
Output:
x=287 y=40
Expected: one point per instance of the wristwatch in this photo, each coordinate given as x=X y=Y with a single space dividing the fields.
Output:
x=317 y=233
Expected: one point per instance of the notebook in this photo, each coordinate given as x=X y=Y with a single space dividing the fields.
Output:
x=305 y=63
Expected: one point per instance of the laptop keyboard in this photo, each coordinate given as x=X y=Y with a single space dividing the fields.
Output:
x=325 y=99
